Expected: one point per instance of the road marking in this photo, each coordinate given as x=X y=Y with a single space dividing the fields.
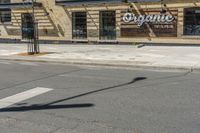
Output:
x=8 y=101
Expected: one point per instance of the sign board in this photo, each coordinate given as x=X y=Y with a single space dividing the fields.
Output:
x=153 y=18
x=149 y=23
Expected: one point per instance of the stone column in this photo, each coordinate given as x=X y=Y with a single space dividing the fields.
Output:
x=118 y=23
x=180 y=22
x=93 y=25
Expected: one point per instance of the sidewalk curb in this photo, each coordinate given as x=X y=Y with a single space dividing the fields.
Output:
x=126 y=64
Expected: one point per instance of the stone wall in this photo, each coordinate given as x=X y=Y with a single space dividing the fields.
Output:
x=55 y=21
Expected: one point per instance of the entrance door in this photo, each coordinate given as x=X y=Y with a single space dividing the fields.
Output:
x=107 y=25
x=27 y=26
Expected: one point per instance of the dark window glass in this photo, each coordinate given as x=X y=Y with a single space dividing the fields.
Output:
x=4 y=1
x=5 y=14
x=107 y=25
x=79 y=25
x=27 y=26
x=192 y=21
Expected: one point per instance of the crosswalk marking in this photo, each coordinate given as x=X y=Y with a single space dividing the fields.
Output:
x=8 y=101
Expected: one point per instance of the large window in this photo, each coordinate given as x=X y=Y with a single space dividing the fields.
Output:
x=192 y=21
x=79 y=25
x=107 y=25
x=27 y=26
x=4 y=1
x=5 y=14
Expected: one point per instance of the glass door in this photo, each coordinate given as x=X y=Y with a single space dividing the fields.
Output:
x=107 y=25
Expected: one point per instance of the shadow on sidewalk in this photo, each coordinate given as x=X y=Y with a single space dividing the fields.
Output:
x=51 y=106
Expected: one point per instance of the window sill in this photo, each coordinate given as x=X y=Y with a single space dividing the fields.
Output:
x=79 y=40
x=190 y=36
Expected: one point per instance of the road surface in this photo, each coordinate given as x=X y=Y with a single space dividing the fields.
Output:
x=57 y=98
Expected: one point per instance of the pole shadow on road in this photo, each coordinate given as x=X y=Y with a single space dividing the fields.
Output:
x=51 y=106
x=45 y=107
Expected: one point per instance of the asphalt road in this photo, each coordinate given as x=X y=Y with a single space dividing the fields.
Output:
x=88 y=99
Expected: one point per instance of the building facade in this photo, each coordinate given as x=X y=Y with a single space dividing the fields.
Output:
x=101 y=21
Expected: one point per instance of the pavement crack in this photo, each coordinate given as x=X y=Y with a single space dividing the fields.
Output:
x=174 y=76
x=10 y=120
x=80 y=122
x=57 y=129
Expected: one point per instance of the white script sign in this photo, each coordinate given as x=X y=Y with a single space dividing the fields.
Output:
x=141 y=19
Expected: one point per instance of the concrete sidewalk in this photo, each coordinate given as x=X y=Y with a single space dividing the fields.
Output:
x=174 y=57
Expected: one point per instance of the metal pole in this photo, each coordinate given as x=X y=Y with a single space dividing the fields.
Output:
x=35 y=42
x=33 y=16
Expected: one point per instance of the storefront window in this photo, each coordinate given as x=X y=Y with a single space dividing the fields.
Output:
x=79 y=25
x=5 y=14
x=107 y=25
x=27 y=26
x=192 y=21
x=4 y=1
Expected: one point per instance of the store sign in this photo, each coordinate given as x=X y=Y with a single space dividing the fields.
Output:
x=141 y=19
